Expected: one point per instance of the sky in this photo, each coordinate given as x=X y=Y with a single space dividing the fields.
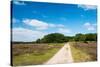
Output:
x=32 y=20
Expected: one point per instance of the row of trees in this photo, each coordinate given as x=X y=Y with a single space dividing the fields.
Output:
x=60 y=38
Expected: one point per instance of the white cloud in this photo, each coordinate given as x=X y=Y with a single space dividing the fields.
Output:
x=40 y=25
x=14 y=20
x=52 y=25
x=19 y=2
x=56 y=25
x=64 y=30
x=22 y=34
x=89 y=26
x=95 y=24
x=87 y=7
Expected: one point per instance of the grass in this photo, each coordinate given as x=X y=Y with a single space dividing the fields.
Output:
x=83 y=52
x=32 y=54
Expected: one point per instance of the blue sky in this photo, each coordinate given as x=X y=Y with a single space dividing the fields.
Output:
x=33 y=20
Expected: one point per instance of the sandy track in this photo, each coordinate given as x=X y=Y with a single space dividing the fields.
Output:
x=62 y=56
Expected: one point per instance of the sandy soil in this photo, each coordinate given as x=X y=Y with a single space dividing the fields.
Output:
x=62 y=56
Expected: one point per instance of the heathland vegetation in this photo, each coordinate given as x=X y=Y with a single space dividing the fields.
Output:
x=28 y=54
x=84 y=52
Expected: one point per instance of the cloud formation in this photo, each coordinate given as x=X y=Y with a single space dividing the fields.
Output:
x=22 y=34
x=64 y=30
x=89 y=26
x=87 y=7
x=19 y=2
x=41 y=25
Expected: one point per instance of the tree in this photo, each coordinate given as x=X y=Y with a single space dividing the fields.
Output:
x=78 y=37
x=53 y=38
x=91 y=37
x=86 y=37
x=38 y=40
x=68 y=38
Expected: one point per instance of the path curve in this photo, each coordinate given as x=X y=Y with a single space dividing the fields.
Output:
x=62 y=56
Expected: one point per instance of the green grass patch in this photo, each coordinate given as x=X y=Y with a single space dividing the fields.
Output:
x=33 y=54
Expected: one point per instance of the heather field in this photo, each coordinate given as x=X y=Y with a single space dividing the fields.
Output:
x=84 y=52
x=29 y=54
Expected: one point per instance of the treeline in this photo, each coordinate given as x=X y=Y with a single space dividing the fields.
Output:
x=60 y=38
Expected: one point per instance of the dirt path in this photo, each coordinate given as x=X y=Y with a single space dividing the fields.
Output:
x=62 y=56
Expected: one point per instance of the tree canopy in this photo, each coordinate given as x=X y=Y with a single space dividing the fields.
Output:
x=53 y=38
x=60 y=38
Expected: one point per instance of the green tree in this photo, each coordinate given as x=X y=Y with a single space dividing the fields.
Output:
x=78 y=37
x=53 y=38
x=68 y=38
x=38 y=40
x=91 y=37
